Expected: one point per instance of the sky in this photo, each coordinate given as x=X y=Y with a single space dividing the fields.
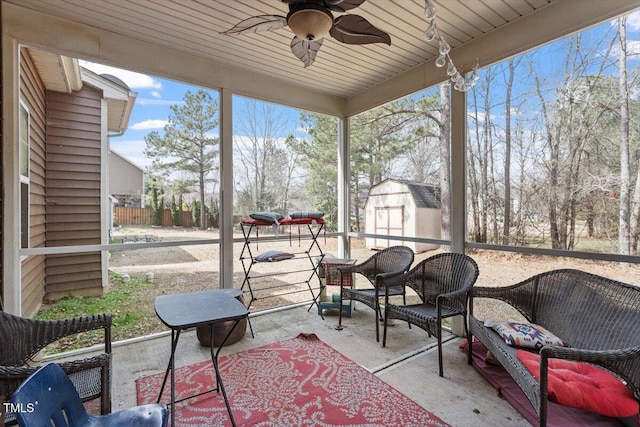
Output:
x=152 y=107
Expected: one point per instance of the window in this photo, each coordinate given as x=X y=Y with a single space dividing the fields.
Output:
x=23 y=135
x=399 y=174
x=549 y=164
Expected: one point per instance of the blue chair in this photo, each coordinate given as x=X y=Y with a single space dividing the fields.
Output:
x=49 y=398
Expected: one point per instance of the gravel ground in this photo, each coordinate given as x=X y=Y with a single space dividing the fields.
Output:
x=191 y=268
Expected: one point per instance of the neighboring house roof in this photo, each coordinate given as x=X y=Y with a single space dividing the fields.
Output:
x=120 y=99
x=58 y=73
x=424 y=195
x=125 y=177
x=126 y=159
x=63 y=74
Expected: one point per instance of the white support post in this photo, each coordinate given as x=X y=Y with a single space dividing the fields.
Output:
x=458 y=183
x=11 y=280
x=344 y=245
x=226 y=189
x=105 y=204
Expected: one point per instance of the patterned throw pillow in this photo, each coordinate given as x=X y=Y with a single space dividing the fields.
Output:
x=270 y=217
x=527 y=335
x=307 y=214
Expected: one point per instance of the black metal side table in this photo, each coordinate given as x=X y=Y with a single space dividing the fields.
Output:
x=189 y=310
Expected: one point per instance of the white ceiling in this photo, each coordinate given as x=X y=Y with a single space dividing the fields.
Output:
x=262 y=65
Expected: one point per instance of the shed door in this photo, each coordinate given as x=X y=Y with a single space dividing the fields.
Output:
x=389 y=221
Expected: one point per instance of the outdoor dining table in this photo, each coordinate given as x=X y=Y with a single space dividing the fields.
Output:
x=189 y=310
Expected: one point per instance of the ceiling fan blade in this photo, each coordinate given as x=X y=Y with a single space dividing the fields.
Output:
x=334 y=5
x=305 y=50
x=354 y=29
x=258 y=23
x=342 y=5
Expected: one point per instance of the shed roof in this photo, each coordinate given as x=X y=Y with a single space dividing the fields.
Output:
x=424 y=195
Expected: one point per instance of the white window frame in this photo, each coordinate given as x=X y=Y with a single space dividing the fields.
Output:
x=24 y=174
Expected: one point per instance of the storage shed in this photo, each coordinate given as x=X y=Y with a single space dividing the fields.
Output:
x=403 y=208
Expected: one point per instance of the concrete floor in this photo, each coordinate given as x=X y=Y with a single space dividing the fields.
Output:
x=409 y=362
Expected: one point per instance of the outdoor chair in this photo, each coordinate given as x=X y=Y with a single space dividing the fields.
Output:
x=48 y=397
x=443 y=282
x=384 y=264
x=21 y=339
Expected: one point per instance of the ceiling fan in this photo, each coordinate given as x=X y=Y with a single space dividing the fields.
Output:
x=310 y=21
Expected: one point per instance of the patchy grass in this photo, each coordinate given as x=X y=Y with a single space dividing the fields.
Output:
x=131 y=305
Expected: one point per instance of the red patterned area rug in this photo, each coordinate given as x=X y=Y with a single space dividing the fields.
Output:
x=298 y=382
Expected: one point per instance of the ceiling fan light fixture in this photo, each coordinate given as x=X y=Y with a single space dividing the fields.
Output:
x=310 y=24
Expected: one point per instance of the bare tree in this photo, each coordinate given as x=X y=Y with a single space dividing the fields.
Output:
x=445 y=160
x=262 y=159
x=624 y=242
x=507 y=155
x=473 y=179
x=480 y=162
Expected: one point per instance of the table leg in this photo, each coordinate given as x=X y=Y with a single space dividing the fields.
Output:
x=214 y=359
x=171 y=368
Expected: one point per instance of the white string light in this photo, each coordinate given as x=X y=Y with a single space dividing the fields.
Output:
x=433 y=32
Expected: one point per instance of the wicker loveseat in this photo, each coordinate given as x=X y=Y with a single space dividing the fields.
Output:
x=597 y=318
x=21 y=339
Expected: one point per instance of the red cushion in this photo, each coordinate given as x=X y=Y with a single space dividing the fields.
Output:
x=250 y=221
x=583 y=386
x=285 y=221
x=302 y=221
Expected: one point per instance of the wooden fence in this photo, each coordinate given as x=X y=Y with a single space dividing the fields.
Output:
x=143 y=216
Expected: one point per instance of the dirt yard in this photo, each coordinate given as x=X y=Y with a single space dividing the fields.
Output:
x=190 y=268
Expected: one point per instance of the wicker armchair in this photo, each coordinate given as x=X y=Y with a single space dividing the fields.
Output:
x=443 y=282
x=21 y=339
x=387 y=263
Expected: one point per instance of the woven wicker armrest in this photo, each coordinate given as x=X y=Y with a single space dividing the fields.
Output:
x=81 y=323
x=22 y=338
x=456 y=299
x=392 y=280
x=367 y=268
x=99 y=361
x=589 y=356
x=355 y=268
x=16 y=372
x=384 y=278
x=22 y=372
x=454 y=294
x=496 y=291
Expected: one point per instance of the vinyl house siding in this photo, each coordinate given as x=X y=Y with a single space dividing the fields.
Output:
x=32 y=93
x=73 y=190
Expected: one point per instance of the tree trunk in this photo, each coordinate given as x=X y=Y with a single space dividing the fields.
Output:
x=623 y=228
x=473 y=189
x=635 y=216
x=445 y=162
x=474 y=183
x=484 y=160
x=554 y=157
x=203 y=224
x=507 y=157
x=590 y=214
